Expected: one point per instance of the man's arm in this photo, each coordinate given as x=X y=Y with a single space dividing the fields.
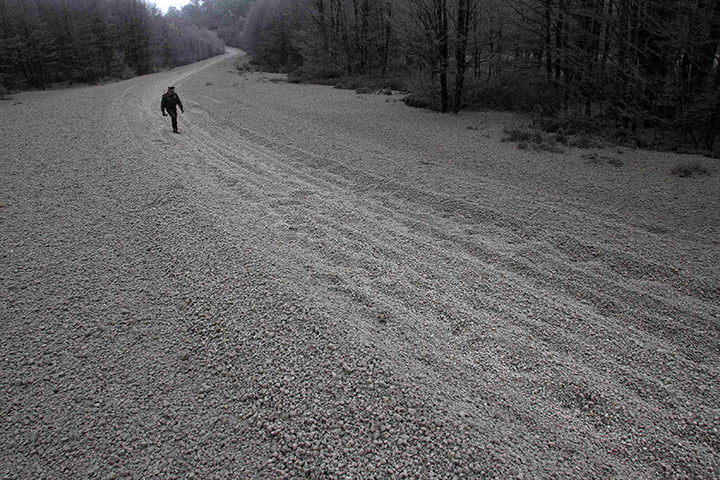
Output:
x=180 y=105
x=162 y=105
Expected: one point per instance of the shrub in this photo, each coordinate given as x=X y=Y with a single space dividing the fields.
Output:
x=319 y=74
x=348 y=83
x=575 y=130
x=372 y=84
x=515 y=92
x=419 y=101
x=424 y=92
x=583 y=140
x=621 y=135
x=688 y=169
x=396 y=82
x=522 y=134
x=532 y=138
x=360 y=83
x=571 y=124
x=548 y=144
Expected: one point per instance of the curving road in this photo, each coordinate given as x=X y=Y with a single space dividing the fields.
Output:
x=310 y=283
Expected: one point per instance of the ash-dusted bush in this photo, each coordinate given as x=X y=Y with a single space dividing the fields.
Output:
x=532 y=138
x=512 y=92
x=419 y=101
x=370 y=84
x=522 y=134
x=319 y=74
x=517 y=92
x=573 y=124
x=423 y=93
x=585 y=140
x=688 y=169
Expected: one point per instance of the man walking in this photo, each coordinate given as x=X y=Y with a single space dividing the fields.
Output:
x=170 y=102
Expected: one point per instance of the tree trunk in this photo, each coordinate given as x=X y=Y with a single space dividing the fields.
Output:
x=441 y=37
x=463 y=17
x=702 y=63
x=548 y=40
x=559 y=41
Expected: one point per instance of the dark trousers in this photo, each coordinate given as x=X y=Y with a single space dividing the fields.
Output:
x=173 y=116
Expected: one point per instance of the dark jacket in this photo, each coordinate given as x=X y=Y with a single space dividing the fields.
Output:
x=170 y=100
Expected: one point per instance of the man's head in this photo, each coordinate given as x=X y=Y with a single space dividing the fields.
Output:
x=171 y=89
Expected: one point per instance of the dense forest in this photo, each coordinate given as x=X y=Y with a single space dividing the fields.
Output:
x=632 y=64
x=629 y=65
x=48 y=41
x=621 y=65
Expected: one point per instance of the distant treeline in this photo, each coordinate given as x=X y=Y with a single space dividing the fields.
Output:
x=48 y=41
x=226 y=17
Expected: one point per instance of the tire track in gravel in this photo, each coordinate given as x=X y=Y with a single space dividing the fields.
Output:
x=428 y=470
x=284 y=155
x=428 y=349
x=625 y=264
x=617 y=292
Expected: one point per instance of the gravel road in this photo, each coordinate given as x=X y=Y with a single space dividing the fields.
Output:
x=311 y=283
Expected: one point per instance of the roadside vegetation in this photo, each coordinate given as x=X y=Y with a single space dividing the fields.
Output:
x=599 y=71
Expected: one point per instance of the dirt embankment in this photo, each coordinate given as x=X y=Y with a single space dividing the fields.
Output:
x=310 y=283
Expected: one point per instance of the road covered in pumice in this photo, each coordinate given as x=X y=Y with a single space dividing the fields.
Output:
x=311 y=283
